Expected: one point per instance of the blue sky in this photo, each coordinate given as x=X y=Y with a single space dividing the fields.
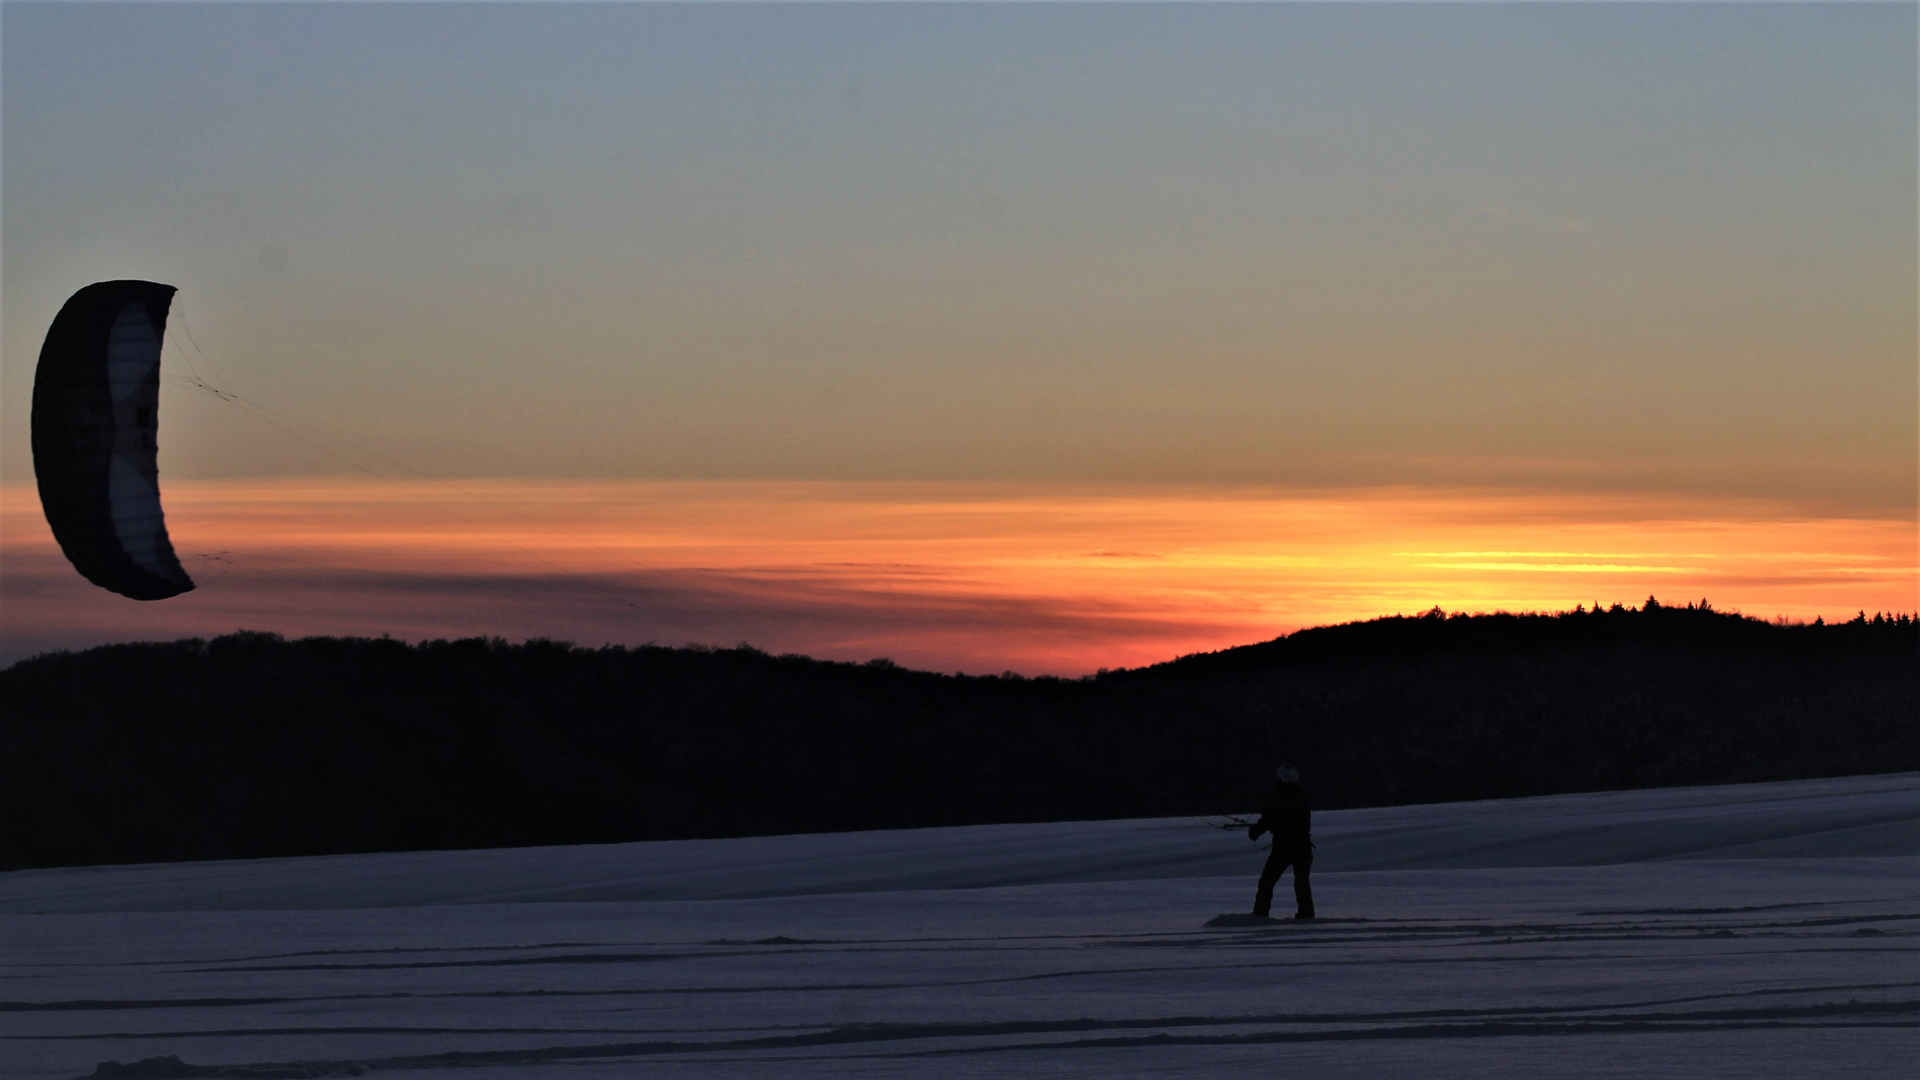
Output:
x=1616 y=245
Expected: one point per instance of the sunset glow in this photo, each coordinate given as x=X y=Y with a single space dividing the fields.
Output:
x=1048 y=337
x=1039 y=578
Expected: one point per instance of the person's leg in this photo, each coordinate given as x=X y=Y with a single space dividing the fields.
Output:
x=1269 y=877
x=1302 y=888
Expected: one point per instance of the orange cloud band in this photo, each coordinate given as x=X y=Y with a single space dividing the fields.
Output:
x=970 y=576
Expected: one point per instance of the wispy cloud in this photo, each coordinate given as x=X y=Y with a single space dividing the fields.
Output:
x=1562 y=568
x=976 y=577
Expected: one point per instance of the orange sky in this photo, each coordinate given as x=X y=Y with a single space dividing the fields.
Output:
x=1034 y=577
x=1043 y=337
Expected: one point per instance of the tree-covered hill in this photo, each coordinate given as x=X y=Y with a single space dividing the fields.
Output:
x=251 y=745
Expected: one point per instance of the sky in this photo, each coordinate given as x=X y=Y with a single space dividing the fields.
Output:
x=858 y=330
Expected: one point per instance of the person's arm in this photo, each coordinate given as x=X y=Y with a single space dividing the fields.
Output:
x=1265 y=824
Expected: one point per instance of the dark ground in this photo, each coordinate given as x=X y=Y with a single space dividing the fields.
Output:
x=250 y=745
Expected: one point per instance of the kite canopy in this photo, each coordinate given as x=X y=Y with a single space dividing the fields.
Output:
x=96 y=406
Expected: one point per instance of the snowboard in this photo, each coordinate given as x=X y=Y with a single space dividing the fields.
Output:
x=1244 y=919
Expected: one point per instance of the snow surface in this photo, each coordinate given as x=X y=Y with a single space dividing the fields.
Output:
x=1752 y=930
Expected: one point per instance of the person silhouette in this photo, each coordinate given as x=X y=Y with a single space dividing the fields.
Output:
x=1288 y=817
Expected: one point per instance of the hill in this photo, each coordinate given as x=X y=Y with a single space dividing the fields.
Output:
x=251 y=745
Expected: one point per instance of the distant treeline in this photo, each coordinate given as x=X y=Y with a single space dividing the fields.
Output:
x=251 y=745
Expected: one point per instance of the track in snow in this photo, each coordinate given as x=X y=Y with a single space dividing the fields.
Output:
x=409 y=965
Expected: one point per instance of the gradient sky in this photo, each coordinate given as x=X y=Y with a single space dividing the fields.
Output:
x=1567 y=256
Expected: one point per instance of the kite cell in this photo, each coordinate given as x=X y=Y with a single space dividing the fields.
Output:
x=96 y=406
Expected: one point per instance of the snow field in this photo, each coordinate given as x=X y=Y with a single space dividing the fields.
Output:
x=1594 y=935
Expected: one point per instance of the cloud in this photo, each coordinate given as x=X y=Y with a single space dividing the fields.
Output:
x=830 y=613
x=1037 y=578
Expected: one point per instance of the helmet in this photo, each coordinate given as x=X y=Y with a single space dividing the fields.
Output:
x=1289 y=775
